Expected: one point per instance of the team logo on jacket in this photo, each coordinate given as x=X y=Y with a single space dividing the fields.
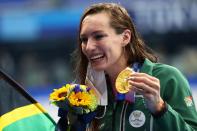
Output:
x=188 y=101
x=137 y=118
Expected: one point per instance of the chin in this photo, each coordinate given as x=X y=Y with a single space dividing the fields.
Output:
x=98 y=67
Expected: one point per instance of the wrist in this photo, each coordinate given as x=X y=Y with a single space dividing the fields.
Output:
x=160 y=110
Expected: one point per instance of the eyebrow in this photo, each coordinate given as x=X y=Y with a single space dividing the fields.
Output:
x=93 y=33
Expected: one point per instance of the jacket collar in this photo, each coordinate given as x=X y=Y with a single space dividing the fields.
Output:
x=147 y=67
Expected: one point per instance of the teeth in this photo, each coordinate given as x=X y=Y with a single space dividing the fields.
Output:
x=96 y=56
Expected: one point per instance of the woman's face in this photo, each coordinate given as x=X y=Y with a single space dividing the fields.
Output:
x=100 y=43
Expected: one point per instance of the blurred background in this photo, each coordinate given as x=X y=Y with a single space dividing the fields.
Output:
x=37 y=38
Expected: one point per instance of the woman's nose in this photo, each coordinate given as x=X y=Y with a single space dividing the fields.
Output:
x=90 y=45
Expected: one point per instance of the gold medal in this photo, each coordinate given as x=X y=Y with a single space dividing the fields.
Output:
x=122 y=85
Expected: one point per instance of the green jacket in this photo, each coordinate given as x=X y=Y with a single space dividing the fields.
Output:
x=181 y=114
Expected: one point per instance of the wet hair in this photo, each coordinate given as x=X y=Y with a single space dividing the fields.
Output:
x=120 y=20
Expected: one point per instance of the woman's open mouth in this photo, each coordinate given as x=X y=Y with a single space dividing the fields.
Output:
x=97 y=57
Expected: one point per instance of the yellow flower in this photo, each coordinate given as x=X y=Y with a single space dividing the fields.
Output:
x=80 y=99
x=61 y=93
x=83 y=87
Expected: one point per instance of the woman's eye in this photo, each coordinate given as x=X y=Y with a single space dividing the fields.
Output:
x=98 y=37
x=83 y=40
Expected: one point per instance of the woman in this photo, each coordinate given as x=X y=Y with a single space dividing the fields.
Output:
x=160 y=95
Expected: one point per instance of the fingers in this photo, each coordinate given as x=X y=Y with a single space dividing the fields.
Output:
x=145 y=84
x=142 y=88
x=145 y=80
x=136 y=74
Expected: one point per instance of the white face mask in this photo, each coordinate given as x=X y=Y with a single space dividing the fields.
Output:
x=96 y=80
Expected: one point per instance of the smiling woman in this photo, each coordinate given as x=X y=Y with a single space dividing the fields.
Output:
x=109 y=44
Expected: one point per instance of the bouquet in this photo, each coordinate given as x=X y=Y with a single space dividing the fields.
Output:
x=75 y=99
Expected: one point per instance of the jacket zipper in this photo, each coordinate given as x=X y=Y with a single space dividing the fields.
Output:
x=122 y=116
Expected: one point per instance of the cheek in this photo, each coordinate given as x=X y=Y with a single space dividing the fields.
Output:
x=115 y=54
x=116 y=50
x=83 y=48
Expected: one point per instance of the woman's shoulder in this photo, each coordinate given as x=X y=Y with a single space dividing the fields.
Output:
x=163 y=71
x=166 y=71
x=157 y=68
x=165 y=68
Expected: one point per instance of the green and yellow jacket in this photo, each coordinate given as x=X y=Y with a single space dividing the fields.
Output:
x=181 y=113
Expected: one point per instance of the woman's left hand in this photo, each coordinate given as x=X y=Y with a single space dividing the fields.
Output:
x=149 y=87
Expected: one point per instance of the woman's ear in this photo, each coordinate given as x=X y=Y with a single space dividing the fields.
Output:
x=126 y=37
